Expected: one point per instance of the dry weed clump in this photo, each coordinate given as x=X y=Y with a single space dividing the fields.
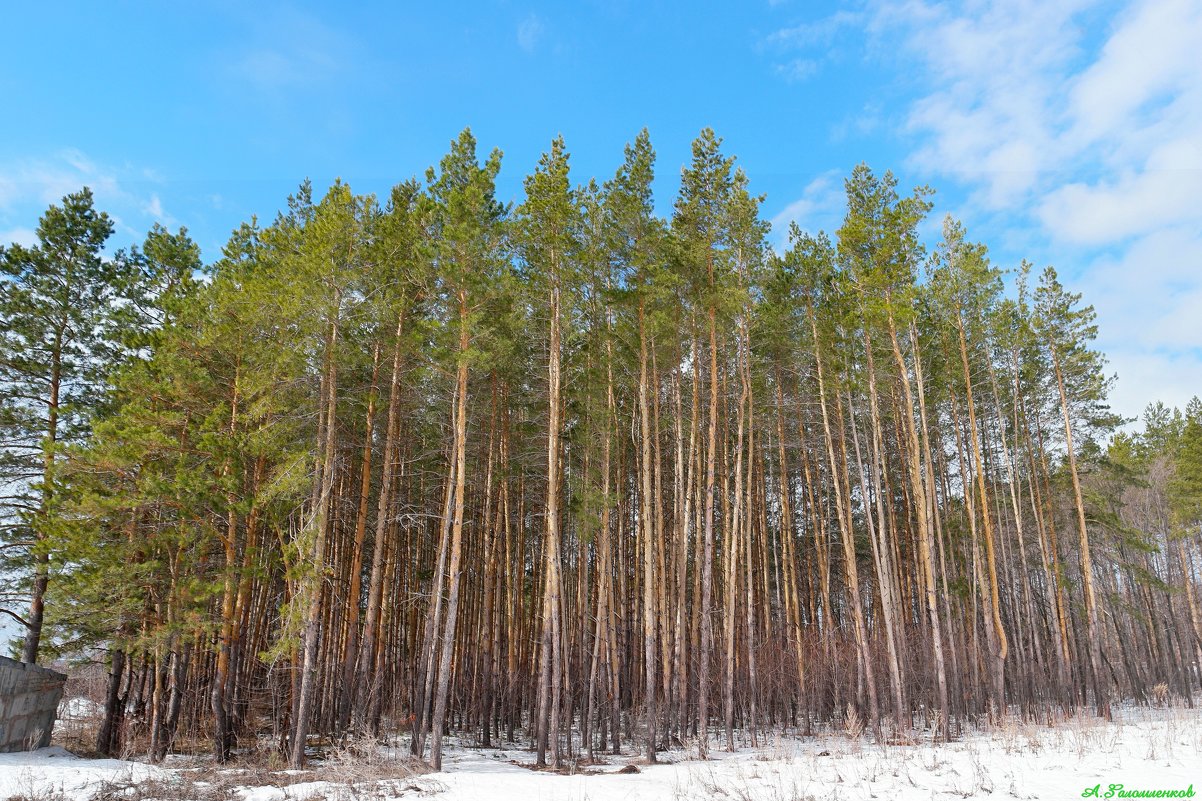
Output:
x=853 y=724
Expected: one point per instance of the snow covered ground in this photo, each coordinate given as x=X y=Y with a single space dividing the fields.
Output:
x=55 y=773
x=1143 y=749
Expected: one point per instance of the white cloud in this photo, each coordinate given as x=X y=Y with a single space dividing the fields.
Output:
x=1153 y=55
x=1093 y=144
x=816 y=32
x=1150 y=296
x=803 y=49
x=1019 y=107
x=1075 y=129
x=47 y=180
x=78 y=160
x=798 y=69
x=1138 y=111
x=20 y=236
x=995 y=70
x=1113 y=210
x=820 y=207
x=278 y=68
x=1148 y=376
x=28 y=186
x=154 y=207
x=530 y=31
x=862 y=123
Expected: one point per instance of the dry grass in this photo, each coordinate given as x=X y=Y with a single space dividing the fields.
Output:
x=350 y=774
x=355 y=770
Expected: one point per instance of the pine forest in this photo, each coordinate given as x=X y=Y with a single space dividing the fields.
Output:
x=579 y=475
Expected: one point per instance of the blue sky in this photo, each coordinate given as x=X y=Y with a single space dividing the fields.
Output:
x=1067 y=133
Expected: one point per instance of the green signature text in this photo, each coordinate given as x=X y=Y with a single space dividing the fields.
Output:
x=1120 y=791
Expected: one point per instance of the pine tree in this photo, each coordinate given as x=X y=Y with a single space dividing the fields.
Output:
x=547 y=224
x=1066 y=330
x=466 y=259
x=699 y=225
x=56 y=319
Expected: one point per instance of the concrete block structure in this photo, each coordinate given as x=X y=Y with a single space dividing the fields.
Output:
x=29 y=697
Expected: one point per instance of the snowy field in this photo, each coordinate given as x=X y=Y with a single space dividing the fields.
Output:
x=1143 y=749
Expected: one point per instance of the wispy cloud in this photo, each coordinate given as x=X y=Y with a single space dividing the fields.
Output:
x=802 y=49
x=47 y=179
x=798 y=69
x=862 y=123
x=816 y=32
x=28 y=186
x=154 y=208
x=288 y=50
x=820 y=206
x=530 y=32
x=20 y=236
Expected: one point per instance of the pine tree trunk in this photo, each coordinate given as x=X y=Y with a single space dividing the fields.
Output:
x=314 y=584
x=448 y=632
x=926 y=538
x=843 y=507
x=878 y=534
x=997 y=667
x=375 y=584
x=649 y=547
x=351 y=647
x=41 y=555
x=222 y=734
x=109 y=735
x=1101 y=696
x=707 y=563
